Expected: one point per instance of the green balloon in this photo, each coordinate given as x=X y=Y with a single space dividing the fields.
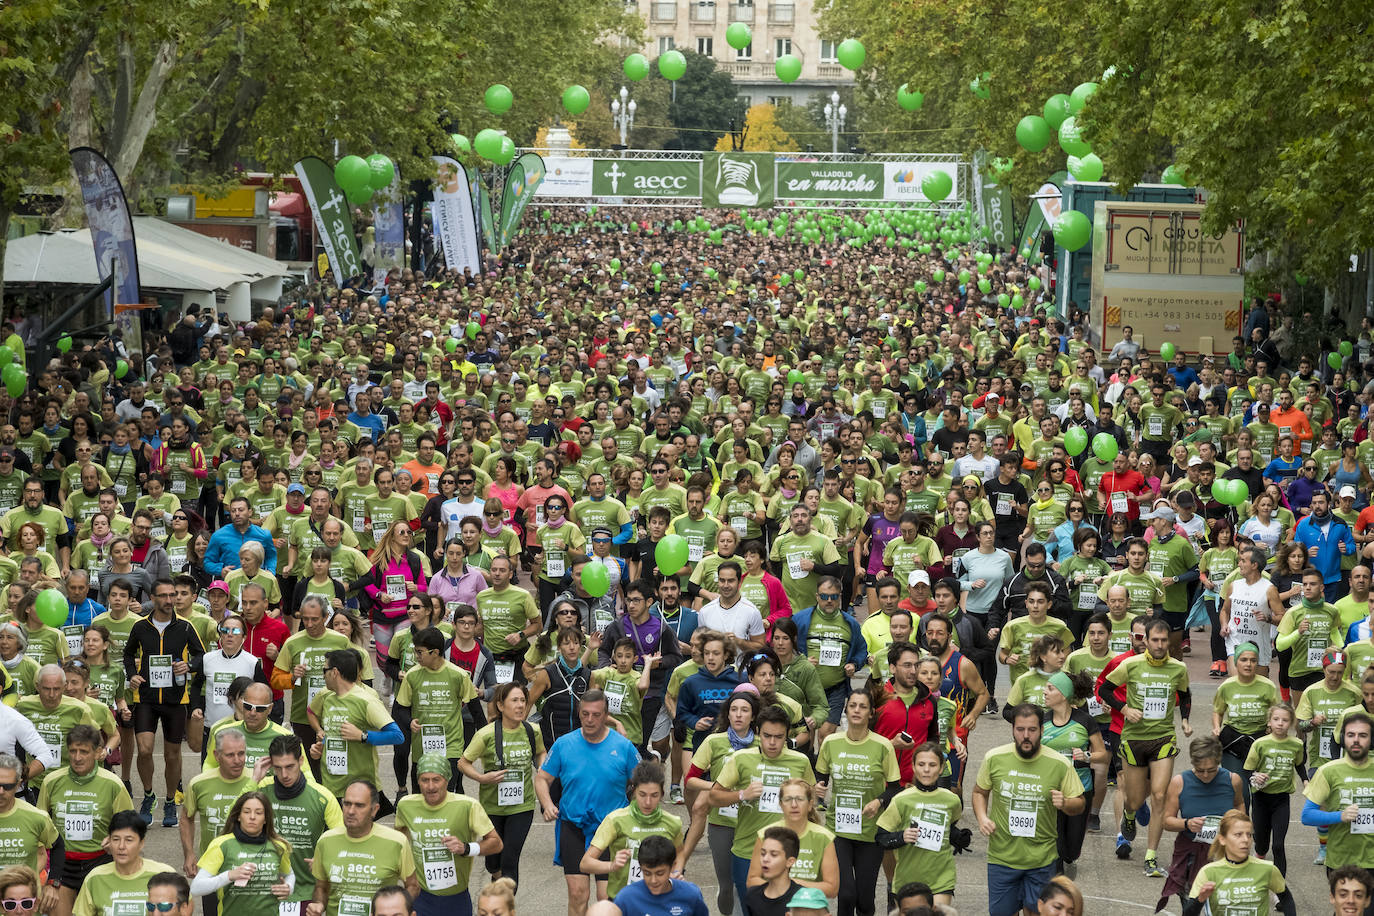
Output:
x=1071 y=139
x=1166 y=350
x=738 y=35
x=382 y=171
x=575 y=100
x=1079 y=97
x=1172 y=174
x=964 y=276
x=595 y=581
x=799 y=275
x=920 y=284
x=984 y=285
x=1072 y=230
x=671 y=554
x=1057 y=109
x=615 y=263
x=937 y=276
x=1346 y=348
x=655 y=268
x=1332 y=359
x=1086 y=168
x=937 y=185
x=1033 y=133
x=1033 y=283
x=507 y=152
x=463 y=143
x=359 y=195
x=1003 y=300
x=16 y=379
x=352 y=172
x=851 y=54
x=1105 y=446
x=1075 y=440
x=51 y=607
x=121 y=369
x=6 y=355
x=636 y=67
x=672 y=65
x=794 y=377
x=498 y=99
x=487 y=143
x=64 y=343
x=909 y=99
x=788 y=68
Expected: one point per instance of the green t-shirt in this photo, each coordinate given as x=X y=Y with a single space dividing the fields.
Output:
x=710 y=756
x=119 y=634
x=623 y=699
x=515 y=792
x=1278 y=759
x=1318 y=700
x=256 y=743
x=1029 y=688
x=53 y=725
x=743 y=767
x=254 y=897
x=301 y=648
x=301 y=821
x=1334 y=786
x=626 y=828
x=1083 y=660
x=209 y=796
x=1241 y=890
x=1146 y=589
x=342 y=760
x=440 y=871
x=503 y=612
x=828 y=643
x=788 y=550
x=1245 y=707
x=355 y=868
x=1172 y=557
x=436 y=699
x=1019 y=634
x=1323 y=631
x=1153 y=689
x=1019 y=804
x=931 y=858
x=811 y=854
x=106 y=892
x=857 y=773
x=25 y=835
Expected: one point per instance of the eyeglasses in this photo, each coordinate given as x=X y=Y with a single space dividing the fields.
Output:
x=158 y=907
x=257 y=707
x=794 y=799
x=22 y=903
x=8 y=786
x=601 y=540
x=828 y=596
x=415 y=607
x=1075 y=508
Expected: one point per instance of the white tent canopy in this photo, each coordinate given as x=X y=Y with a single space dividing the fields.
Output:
x=203 y=270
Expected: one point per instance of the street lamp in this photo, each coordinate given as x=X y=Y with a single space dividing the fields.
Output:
x=623 y=114
x=834 y=120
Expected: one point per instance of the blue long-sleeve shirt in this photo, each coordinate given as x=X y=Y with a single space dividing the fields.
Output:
x=1332 y=540
x=223 y=549
x=702 y=693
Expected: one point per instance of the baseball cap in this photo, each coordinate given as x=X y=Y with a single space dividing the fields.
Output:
x=295 y=488
x=1163 y=512
x=218 y=584
x=808 y=898
x=993 y=396
x=1194 y=461
x=1348 y=490
x=918 y=577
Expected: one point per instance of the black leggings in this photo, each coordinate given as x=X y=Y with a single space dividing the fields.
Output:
x=859 y=865
x=987 y=665
x=1270 y=812
x=1072 y=829
x=512 y=829
x=1218 y=641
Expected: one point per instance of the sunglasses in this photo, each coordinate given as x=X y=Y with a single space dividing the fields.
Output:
x=601 y=540
x=828 y=596
x=257 y=707
x=556 y=507
x=8 y=786
x=22 y=903
x=158 y=907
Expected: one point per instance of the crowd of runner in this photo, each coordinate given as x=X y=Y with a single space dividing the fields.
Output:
x=661 y=538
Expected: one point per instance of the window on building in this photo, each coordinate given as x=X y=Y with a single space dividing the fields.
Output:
x=704 y=44
x=665 y=43
x=829 y=53
x=781 y=46
x=745 y=53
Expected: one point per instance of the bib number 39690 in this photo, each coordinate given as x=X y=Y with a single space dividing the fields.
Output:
x=1022 y=818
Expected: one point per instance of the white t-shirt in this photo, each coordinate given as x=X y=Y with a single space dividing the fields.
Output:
x=454 y=513
x=742 y=618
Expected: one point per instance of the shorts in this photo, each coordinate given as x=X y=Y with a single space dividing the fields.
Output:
x=837 y=696
x=1112 y=741
x=1011 y=890
x=1010 y=542
x=663 y=725
x=74 y=872
x=1303 y=681
x=1177 y=620
x=171 y=715
x=679 y=733
x=572 y=846
x=1141 y=752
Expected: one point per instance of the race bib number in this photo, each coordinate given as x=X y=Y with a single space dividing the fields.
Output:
x=1208 y=833
x=794 y=567
x=354 y=906
x=395 y=587
x=160 y=671
x=1155 y=426
x=930 y=833
x=336 y=756
x=505 y=672
x=433 y=741
x=219 y=688
x=696 y=549
x=879 y=410
x=510 y=792
x=730 y=812
x=1004 y=504
x=740 y=523
x=615 y=697
x=770 y=802
x=1326 y=743
x=636 y=871
x=602 y=618
x=1022 y=818
x=1087 y=599
x=538 y=516
x=1155 y=703
x=1096 y=708
x=1314 y=655
x=359 y=524
x=314 y=683
x=121 y=489
x=440 y=870
x=79 y=822
x=557 y=564
x=74 y=637
x=1364 y=821
x=179 y=485
x=849 y=814
x=1119 y=502
x=832 y=655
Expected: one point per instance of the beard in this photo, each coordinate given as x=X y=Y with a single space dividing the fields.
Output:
x=936 y=648
x=1025 y=754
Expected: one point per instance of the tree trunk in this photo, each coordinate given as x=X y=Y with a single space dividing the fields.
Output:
x=4 y=241
x=79 y=107
x=144 y=113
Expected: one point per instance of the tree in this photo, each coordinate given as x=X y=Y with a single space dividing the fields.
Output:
x=704 y=105
x=762 y=133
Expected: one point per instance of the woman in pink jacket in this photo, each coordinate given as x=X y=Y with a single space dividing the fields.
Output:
x=398 y=571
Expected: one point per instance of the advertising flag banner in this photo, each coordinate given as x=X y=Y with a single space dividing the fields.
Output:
x=455 y=223
x=737 y=180
x=646 y=178
x=1045 y=209
x=522 y=182
x=388 y=221
x=332 y=216
x=112 y=235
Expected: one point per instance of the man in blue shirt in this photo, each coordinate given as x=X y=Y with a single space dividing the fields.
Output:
x=1183 y=374
x=658 y=894
x=594 y=766
x=363 y=417
x=222 y=553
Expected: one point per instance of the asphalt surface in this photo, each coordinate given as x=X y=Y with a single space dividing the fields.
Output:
x=1110 y=886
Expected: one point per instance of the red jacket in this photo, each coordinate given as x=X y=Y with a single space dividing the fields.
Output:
x=919 y=720
x=268 y=630
x=1120 y=692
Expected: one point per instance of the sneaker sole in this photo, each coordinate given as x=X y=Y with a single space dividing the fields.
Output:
x=1123 y=851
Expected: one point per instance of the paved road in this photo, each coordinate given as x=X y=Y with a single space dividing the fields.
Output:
x=1110 y=886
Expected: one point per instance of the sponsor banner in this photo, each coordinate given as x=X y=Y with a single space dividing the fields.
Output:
x=646 y=178
x=566 y=177
x=389 y=238
x=481 y=206
x=1184 y=315
x=902 y=180
x=522 y=181
x=1045 y=209
x=829 y=180
x=998 y=214
x=1165 y=241
x=112 y=236
x=455 y=223
x=333 y=217
x=737 y=180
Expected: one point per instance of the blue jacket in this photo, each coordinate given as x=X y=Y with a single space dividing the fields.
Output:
x=702 y=693
x=224 y=545
x=858 y=644
x=1330 y=546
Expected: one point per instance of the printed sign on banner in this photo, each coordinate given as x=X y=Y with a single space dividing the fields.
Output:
x=902 y=180
x=737 y=180
x=646 y=178
x=830 y=180
x=566 y=177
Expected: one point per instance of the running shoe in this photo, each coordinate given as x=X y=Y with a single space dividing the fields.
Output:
x=145 y=810
x=1127 y=828
x=169 y=814
x=1123 y=847
x=1094 y=823
x=1152 y=869
x=1142 y=815
x=675 y=794
x=1321 y=855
